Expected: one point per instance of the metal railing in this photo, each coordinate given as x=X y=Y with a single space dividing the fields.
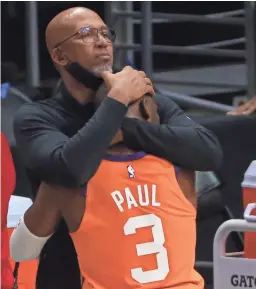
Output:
x=32 y=44
x=20 y=95
x=194 y=102
x=120 y=16
x=250 y=33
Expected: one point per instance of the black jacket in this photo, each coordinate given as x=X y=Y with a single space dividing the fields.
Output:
x=63 y=142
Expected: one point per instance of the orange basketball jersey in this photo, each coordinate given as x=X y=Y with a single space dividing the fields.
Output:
x=138 y=229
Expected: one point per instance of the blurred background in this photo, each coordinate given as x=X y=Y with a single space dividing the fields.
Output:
x=200 y=54
x=207 y=55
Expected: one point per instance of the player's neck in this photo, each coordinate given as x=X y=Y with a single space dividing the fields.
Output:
x=120 y=149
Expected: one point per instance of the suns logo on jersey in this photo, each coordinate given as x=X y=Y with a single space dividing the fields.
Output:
x=131 y=172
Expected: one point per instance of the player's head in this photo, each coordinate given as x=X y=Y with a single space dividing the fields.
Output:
x=79 y=35
x=144 y=109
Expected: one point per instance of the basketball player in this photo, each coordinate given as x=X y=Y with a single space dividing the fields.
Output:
x=131 y=224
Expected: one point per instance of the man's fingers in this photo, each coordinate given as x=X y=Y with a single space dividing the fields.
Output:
x=150 y=90
x=127 y=67
x=142 y=73
x=106 y=75
x=232 y=113
x=249 y=110
x=148 y=81
x=245 y=109
x=237 y=110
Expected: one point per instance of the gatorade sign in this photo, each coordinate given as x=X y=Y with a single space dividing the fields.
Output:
x=233 y=272
x=243 y=281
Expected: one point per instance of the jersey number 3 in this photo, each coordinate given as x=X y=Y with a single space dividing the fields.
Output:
x=155 y=247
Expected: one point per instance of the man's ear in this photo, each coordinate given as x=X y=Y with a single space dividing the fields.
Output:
x=58 y=57
x=151 y=109
x=149 y=106
x=144 y=109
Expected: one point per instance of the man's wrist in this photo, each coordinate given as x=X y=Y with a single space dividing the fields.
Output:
x=118 y=95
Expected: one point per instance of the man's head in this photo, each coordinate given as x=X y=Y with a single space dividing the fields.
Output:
x=79 y=35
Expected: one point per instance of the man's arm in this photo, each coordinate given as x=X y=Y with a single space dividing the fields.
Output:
x=177 y=139
x=37 y=226
x=61 y=160
x=71 y=162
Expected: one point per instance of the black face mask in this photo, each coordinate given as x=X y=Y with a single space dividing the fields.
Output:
x=84 y=76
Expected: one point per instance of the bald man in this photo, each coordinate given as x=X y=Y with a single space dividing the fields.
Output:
x=60 y=32
x=63 y=139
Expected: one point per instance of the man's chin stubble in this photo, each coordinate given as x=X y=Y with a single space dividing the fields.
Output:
x=99 y=69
